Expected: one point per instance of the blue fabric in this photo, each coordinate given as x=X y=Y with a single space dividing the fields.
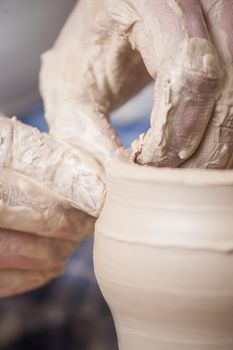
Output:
x=35 y=118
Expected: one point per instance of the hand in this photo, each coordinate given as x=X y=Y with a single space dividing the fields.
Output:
x=71 y=173
x=102 y=58
x=45 y=188
x=38 y=233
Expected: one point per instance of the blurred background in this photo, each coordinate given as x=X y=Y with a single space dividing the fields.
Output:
x=70 y=312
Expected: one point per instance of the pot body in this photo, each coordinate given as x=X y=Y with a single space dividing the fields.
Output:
x=163 y=257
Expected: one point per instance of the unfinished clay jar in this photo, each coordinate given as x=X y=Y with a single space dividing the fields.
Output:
x=163 y=257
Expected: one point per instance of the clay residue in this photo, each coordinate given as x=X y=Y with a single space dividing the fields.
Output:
x=174 y=137
x=74 y=175
x=36 y=209
x=175 y=6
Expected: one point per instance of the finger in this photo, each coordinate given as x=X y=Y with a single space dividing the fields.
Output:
x=187 y=82
x=91 y=70
x=216 y=148
x=13 y=282
x=20 y=250
x=28 y=207
x=72 y=173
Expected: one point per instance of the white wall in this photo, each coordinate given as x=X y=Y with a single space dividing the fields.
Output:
x=27 y=28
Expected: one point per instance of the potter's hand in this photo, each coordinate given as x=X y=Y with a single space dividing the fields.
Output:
x=193 y=92
x=96 y=64
x=45 y=188
x=38 y=231
x=90 y=70
x=71 y=173
x=215 y=150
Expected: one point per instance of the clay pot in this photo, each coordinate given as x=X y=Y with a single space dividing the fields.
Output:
x=163 y=257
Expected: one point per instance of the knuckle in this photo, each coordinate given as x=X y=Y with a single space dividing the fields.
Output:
x=197 y=66
x=202 y=83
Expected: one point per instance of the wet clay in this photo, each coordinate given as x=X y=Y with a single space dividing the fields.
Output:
x=69 y=172
x=165 y=267
x=38 y=210
x=102 y=58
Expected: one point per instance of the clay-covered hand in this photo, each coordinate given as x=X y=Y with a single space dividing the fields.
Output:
x=102 y=58
x=70 y=172
x=38 y=232
x=50 y=194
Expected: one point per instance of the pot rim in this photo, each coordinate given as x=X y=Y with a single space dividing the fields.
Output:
x=121 y=167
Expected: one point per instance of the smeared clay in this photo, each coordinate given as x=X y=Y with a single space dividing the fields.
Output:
x=165 y=268
x=70 y=172
x=97 y=63
x=38 y=210
x=216 y=149
x=197 y=60
x=175 y=6
x=91 y=70
x=203 y=129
